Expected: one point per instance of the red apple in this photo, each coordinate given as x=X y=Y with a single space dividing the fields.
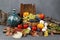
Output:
x=41 y=16
x=20 y=26
x=25 y=26
x=34 y=28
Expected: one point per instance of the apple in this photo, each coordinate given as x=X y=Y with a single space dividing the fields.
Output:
x=19 y=26
x=41 y=16
x=34 y=28
x=25 y=26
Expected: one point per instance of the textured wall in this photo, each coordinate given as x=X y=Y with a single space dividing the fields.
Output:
x=49 y=7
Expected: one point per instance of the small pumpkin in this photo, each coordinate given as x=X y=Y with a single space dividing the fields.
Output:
x=25 y=14
x=40 y=25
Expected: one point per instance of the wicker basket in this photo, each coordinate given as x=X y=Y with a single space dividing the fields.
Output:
x=27 y=8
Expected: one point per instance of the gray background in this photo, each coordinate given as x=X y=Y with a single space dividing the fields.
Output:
x=48 y=7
